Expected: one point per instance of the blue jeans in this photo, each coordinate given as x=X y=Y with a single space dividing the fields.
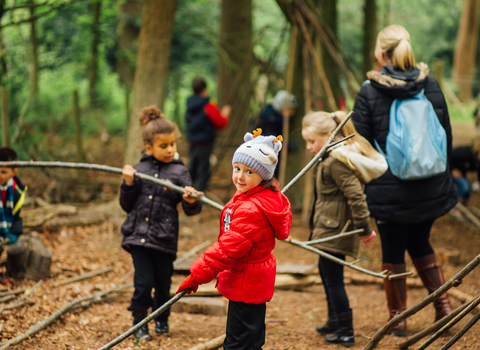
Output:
x=463 y=186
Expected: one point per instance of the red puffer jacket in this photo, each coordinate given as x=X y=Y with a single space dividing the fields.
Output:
x=243 y=255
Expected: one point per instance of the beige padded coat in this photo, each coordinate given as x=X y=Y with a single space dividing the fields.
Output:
x=339 y=197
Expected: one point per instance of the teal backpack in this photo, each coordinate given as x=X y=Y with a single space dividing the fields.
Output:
x=416 y=145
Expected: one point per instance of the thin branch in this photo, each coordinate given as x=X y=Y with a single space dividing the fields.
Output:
x=84 y=276
x=39 y=15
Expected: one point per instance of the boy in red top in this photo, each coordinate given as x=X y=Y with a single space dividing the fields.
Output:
x=203 y=119
x=242 y=258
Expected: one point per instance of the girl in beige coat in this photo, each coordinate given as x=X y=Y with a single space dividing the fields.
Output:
x=339 y=199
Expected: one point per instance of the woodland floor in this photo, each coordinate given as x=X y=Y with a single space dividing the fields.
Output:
x=291 y=315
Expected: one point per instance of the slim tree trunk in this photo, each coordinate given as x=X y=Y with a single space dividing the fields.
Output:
x=369 y=34
x=34 y=42
x=93 y=66
x=235 y=39
x=466 y=48
x=151 y=73
x=329 y=10
x=128 y=30
x=78 y=128
x=5 y=117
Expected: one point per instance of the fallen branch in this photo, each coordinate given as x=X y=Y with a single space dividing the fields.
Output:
x=20 y=300
x=471 y=217
x=215 y=343
x=83 y=276
x=7 y=298
x=13 y=292
x=17 y=305
x=64 y=309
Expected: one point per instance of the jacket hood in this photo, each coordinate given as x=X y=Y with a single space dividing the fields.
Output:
x=196 y=103
x=274 y=205
x=398 y=83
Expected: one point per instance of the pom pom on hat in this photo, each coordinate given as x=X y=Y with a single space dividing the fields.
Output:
x=259 y=153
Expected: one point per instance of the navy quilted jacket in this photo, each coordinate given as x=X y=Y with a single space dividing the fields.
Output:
x=152 y=219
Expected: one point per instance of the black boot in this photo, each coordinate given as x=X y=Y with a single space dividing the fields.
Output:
x=332 y=325
x=142 y=333
x=344 y=335
x=161 y=327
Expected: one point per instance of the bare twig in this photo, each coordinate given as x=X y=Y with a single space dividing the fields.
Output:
x=215 y=343
x=20 y=301
x=84 y=276
x=461 y=332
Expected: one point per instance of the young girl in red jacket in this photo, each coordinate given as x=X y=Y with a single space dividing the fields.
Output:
x=242 y=258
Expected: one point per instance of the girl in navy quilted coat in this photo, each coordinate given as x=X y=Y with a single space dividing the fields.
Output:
x=150 y=232
x=242 y=258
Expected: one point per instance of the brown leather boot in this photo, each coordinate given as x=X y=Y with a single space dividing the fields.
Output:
x=432 y=277
x=396 y=291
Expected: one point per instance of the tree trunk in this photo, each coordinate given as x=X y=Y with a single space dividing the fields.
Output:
x=466 y=48
x=93 y=66
x=235 y=39
x=34 y=42
x=329 y=10
x=5 y=117
x=151 y=73
x=78 y=128
x=128 y=29
x=369 y=35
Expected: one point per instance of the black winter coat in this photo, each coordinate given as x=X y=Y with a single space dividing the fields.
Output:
x=389 y=198
x=152 y=219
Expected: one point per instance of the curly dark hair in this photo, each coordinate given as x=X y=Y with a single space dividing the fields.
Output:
x=198 y=85
x=7 y=154
x=154 y=122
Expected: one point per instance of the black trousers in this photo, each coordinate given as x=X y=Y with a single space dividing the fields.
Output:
x=332 y=279
x=397 y=238
x=199 y=166
x=153 y=270
x=245 y=326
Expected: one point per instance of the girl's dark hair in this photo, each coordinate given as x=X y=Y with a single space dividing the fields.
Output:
x=154 y=122
x=271 y=184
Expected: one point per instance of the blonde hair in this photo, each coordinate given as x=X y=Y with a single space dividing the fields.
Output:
x=394 y=41
x=323 y=123
x=154 y=122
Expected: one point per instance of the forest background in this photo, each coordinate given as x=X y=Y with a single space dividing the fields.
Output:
x=74 y=74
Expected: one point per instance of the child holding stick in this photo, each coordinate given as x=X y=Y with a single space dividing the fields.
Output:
x=242 y=258
x=150 y=232
x=339 y=199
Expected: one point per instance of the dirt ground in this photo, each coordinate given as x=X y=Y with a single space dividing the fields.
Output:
x=291 y=315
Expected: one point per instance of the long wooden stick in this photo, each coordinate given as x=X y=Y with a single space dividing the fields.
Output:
x=286 y=109
x=147 y=319
x=455 y=281
x=215 y=343
x=432 y=328
x=450 y=324
x=461 y=332
x=110 y=169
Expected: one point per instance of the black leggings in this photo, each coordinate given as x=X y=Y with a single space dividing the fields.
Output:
x=397 y=238
x=332 y=279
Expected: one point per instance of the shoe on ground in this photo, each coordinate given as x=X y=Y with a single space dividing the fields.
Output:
x=142 y=333
x=161 y=327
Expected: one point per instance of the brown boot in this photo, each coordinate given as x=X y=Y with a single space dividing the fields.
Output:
x=396 y=296
x=432 y=277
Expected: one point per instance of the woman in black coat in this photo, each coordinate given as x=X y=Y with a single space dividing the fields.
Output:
x=404 y=209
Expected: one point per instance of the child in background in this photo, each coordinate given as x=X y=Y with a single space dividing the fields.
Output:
x=242 y=258
x=339 y=199
x=203 y=120
x=150 y=232
x=465 y=159
x=13 y=196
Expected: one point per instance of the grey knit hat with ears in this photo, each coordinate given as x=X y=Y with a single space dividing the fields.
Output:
x=259 y=153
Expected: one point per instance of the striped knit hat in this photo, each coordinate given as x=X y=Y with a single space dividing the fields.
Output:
x=259 y=153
